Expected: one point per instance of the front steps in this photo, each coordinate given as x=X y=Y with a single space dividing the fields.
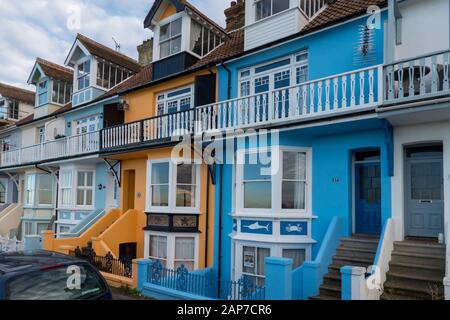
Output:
x=416 y=271
x=357 y=251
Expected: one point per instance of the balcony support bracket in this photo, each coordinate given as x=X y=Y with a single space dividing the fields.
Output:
x=114 y=170
x=15 y=179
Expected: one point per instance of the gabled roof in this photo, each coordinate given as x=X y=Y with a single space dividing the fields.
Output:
x=180 y=5
x=52 y=70
x=341 y=10
x=102 y=51
x=22 y=95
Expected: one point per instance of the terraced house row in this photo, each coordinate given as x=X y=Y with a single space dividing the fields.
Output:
x=344 y=105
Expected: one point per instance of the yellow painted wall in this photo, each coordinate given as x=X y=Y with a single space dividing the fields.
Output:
x=143 y=102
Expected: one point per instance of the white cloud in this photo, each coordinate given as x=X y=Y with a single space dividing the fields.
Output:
x=38 y=28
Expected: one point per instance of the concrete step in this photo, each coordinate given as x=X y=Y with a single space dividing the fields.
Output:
x=370 y=243
x=352 y=261
x=330 y=291
x=396 y=297
x=332 y=279
x=417 y=269
x=416 y=289
x=419 y=247
x=418 y=258
x=414 y=277
x=356 y=252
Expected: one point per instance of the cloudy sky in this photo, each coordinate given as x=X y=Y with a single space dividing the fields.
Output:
x=47 y=28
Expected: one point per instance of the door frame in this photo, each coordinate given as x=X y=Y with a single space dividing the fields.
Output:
x=353 y=180
x=405 y=179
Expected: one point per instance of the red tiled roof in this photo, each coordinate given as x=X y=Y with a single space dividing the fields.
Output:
x=340 y=10
x=25 y=96
x=55 y=71
x=102 y=51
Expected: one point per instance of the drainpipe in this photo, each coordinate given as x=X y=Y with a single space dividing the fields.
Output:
x=207 y=219
x=228 y=79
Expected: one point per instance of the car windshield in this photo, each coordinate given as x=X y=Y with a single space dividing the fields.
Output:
x=76 y=282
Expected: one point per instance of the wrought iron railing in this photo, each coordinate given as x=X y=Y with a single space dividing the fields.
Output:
x=119 y=267
x=417 y=78
x=204 y=283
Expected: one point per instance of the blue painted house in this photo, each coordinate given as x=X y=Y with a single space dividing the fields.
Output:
x=315 y=84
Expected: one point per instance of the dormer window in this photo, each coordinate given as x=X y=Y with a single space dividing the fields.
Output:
x=203 y=40
x=267 y=8
x=109 y=75
x=43 y=93
x=84 y=70
x=62 y=92
x=170 y=38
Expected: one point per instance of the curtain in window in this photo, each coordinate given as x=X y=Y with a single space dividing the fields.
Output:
x=160 y=184
x=158 y=248
x=66 y=188
x=45 y=189
x=196 y=37
x=186 y=185
x=298 y=256
x=294 y=180
x=184 y=253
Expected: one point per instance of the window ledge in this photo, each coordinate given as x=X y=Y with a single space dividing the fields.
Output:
x=274 y=216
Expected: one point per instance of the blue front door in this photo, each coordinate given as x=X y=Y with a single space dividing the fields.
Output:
x=368 y=198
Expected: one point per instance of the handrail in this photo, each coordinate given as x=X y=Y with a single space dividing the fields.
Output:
x=85 y=227
x=428 y=55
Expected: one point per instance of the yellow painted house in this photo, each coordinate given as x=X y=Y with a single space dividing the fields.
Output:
x=167 y=203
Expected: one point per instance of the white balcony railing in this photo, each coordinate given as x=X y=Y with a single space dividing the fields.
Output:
x=344 y=93
x=71 y=146
x=418 y=78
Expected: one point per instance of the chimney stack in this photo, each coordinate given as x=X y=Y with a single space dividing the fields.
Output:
x=145 y=51
x=235 y=15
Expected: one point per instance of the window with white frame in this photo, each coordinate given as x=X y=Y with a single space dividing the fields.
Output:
x=85 y=188
x=109 y=75
x=170 y=38
x=86 y=125
x=186 y=185
x=44 y=189
x=42 y=91
x=267 y=8
x=173 y=186
x=174 y=101
x=64 y=229
x=253 y=263
x=203 y=40
x=28 y=228
x=41 y=227
x=3 y=110
x=62 y=92
x=41 y=135
x=83 y=74
x=262 y=187
x=174 y=250
x=29 y=189
x=275 y=75
x=66 y=187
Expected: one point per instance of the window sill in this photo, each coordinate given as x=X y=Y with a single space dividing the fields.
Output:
x=274 y=216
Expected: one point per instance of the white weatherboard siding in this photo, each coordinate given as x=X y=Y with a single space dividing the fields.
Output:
x=410 y=135
x=425 y=28
x=273 y=28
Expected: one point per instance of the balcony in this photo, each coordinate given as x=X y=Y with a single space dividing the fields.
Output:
x=73 y=146
x=417 y=79
x=346 y=93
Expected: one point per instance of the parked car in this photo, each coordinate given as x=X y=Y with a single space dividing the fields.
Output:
x=44 y=275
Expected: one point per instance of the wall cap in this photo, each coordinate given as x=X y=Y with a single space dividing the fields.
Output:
x=279 y=261
x=354 y=271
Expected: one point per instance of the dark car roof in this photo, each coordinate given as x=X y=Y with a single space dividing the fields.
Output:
x=18 y=261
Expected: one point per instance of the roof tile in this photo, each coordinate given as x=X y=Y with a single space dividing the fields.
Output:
x=25 y=96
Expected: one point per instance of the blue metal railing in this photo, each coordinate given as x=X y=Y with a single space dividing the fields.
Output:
x=204 y=283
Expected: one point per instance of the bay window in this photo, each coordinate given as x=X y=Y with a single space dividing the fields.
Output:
x=66 y=187
x=253 y=263
x=29 y=189
x=109 y=75
x=173 y=250
x=45 y=189
x=61 y=93
x=186 y=185
x=42 y=90
x=281 y=186
x=85 y=188
x=159 y=187
x=267 y=8
x=172 y=187
x=83 y=74
x=170 y=38
x=298 y=256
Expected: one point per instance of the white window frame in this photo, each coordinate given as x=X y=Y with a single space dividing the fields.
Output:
x=28 y=225
x=251 y=74
x=271 y=10
x=38 y=182
x=85 y=75
x=40 y=135
x=66 y=98
x=276 y=250
x=209 y=49
x=163 y=99
x=172 y=207
x=84 y=188
x=63 y=187
x=30 y=189
x=276 y=211
x=86 y=122
x=40 y=93
x=171 y=240
x=165 y=22
x=124 y=74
